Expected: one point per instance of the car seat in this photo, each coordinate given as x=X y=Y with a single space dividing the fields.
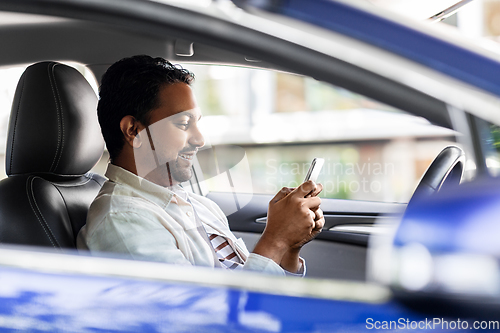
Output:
x=53 y=141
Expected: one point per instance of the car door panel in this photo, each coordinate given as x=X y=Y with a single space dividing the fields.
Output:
x=334 y=253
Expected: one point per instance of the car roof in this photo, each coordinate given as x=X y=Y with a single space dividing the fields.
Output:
x=423 y=9
x=409 y=41
x=97 y=33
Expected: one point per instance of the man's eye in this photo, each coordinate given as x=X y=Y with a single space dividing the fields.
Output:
x=183 y=125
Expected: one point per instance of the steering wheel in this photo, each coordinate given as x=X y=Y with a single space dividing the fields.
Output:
x=446 y=169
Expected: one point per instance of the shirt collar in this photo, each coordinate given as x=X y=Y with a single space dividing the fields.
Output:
x=179 y=191
x=155 y=193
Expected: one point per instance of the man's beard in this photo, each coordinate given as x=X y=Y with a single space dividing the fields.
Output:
x=178 y=173
x=169 y=174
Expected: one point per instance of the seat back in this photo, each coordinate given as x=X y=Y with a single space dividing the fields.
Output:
x=53 y=141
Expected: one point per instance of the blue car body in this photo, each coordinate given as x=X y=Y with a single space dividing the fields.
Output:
x=107 y=304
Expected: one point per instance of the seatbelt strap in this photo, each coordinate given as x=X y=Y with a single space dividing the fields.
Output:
x=204 y=235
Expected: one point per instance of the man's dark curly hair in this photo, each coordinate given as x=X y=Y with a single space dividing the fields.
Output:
x=130 y=87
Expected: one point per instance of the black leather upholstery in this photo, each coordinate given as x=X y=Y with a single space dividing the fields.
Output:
x=53 y=141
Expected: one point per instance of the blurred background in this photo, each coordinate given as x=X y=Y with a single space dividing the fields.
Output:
x=281 y=120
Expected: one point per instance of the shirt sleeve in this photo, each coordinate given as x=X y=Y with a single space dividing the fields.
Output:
x=302 y=270
x=256 y=262
x=135 y=236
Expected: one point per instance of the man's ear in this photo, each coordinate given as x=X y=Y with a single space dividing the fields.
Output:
x=130 y=128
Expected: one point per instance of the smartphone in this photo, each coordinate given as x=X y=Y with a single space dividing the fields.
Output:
x=314 y=169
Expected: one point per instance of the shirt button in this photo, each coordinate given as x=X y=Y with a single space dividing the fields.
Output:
x=189 y=213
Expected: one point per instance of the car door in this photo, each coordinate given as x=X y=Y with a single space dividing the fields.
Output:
x=320 y=56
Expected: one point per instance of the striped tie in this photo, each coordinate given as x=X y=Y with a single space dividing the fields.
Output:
x=225 y=252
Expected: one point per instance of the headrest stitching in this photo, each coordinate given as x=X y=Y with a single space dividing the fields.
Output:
x=44 y=225
x=47 y=173
x=15 y=124
x=62 y=119
x=51 y=77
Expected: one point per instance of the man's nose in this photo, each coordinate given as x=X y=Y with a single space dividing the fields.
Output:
x=197 y=138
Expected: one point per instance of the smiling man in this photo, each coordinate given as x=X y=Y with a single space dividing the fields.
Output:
x=149 y=119
x=164 y=150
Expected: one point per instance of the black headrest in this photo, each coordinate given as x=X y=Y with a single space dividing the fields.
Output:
x=53 y=124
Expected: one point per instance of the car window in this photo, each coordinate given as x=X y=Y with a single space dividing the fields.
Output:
x=489 y=134
x=8 y=82
x=493 y=156
x=275 y=123
x=272 y=124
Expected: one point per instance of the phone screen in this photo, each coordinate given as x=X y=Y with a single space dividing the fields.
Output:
x=314 y=169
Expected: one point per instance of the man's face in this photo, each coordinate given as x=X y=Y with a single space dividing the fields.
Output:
x=167 y=147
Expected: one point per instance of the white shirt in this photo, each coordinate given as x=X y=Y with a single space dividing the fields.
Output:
x=142 y=220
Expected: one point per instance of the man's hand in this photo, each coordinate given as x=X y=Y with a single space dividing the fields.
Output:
x=294 y=218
